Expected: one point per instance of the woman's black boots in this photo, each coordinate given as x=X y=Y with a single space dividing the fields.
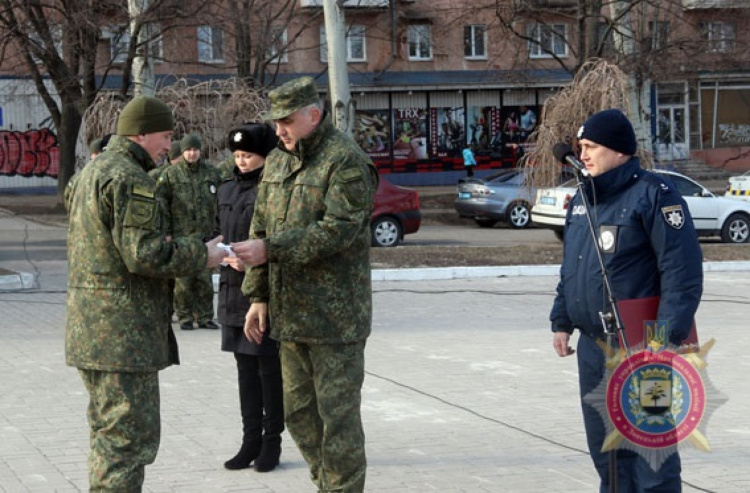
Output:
x=251 y=409
x=273 y=420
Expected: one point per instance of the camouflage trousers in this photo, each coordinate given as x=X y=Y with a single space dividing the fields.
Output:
x=123 y=416
x=194 y=297
x=322 y=397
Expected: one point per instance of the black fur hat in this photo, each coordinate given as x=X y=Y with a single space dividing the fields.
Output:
x=258 y=138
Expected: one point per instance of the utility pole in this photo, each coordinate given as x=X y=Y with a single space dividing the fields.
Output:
x=338 y=77
x=640 y=89
x=143 y=70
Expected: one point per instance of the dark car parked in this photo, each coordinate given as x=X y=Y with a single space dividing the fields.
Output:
x=396 y=214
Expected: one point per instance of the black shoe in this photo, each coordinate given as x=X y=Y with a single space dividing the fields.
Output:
x=187 y=325
x=208 y=325
x=248 y=452
x=269 y=454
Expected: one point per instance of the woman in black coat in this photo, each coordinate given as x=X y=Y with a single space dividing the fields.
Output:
x=258 y=365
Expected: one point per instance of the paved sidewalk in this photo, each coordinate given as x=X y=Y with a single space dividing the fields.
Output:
x=463 y=394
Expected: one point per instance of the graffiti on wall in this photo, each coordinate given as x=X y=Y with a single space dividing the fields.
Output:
x=29 y=153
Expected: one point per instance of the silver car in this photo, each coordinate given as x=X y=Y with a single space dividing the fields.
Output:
x=505 y=196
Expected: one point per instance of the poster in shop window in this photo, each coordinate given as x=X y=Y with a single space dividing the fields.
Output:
x=410 y=133
x=447 y=132
x=372 y=133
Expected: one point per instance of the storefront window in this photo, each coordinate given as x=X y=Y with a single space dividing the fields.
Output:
x=728 y=123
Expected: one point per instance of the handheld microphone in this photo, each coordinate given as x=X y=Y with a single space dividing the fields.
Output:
x=564 y=153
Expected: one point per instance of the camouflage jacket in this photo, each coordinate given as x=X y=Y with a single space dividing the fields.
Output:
x=226 y=168
x=119 y=263
x=190 y=190
x=313 y=209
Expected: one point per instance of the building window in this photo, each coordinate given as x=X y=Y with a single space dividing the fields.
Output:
x=277 y=48
x=658 y=35
x=356 y=50
x=210 y=44
x=548 y=40
x=475 y=42
x=119 y=37
x=38 y=45
x=420 y=42
x=719 y=36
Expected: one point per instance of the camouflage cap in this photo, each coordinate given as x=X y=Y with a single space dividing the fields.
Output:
x=292 y=97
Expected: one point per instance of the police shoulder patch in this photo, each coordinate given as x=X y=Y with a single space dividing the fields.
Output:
x=674 y=215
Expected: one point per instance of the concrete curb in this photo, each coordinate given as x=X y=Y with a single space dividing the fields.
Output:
x=17 y=281
x=25 y=280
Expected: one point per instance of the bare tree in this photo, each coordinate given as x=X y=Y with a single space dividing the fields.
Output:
x=59 y=40
x=264 y=33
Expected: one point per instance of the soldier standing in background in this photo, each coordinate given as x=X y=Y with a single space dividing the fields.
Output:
x=189 y=187
x=310 y=248
x=226 y=167
x=174 y=157
x=117 y=332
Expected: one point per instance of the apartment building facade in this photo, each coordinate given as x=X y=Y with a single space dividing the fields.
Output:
x=429 y=77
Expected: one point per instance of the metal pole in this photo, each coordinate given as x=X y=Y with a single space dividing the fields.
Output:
x=338 y=77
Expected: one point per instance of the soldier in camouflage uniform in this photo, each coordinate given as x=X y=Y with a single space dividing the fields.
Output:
x=174 y=157
x=226 y=168
x=96 y=147
x=189 y=187
x=117 y=331
x=310 y=248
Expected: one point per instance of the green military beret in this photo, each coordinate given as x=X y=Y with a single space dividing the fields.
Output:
x=292 y=97
x=145 y=115
x=190 y=142
x=174 y=150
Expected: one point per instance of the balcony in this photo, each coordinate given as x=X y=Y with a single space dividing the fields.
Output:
x=715 y=4
x=348 y=4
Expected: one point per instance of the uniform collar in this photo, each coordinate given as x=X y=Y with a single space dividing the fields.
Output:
x=249 y=177
x=618 y=178
x=124 y=145
x=192 y=166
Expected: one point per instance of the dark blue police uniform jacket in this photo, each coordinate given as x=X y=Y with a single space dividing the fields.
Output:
x=650 y=249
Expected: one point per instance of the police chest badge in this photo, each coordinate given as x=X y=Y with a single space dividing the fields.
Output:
x=655 y=399
x=674 y=215
x=608 y=239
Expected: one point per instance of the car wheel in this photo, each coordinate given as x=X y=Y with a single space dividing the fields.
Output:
x=560 y=234
x=736 y=229
x=485 y=223
x=386 y=232
x=518 y=215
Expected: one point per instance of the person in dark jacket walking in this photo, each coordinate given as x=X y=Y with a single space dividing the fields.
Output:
x=650 y=248
x=258 y=365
